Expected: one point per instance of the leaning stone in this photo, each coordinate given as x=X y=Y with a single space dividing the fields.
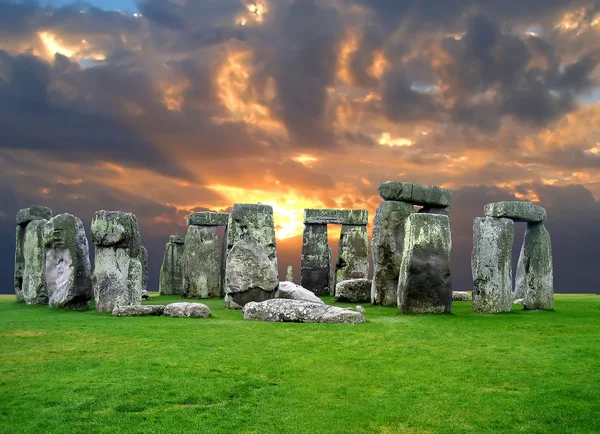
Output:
x=152 y=310
x=289 y=275
x=291 y=291
x=353 y=291
x=68 y=271
x=535 y=281
x=171 y=274
x=281 y=310
x=425 y=285
x=207 y=218
x=415 y=193
x=177 y=239
x=460 y=296
x=353 y=253
x=250 y=275
x=187 y=310
x=34 y=212
x=19 y=263
x=491 y=263
x=519 y=211
x=200 y=263
x=34 y=290
x=387 y=243
x=116 y=229
x=336 y=216
x=315 y=264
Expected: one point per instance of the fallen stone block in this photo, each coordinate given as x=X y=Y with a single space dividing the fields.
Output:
x=187 y=310
x=281 y=310
x=145 y=310
x=353 y=291
x=460 y=296
x=291 y=291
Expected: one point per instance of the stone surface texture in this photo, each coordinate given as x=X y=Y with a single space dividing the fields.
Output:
x=200 y=263
x=171 y=274
x=177 y=239
x=535 y=274
x=116 y=229
x=291 y=291
x=353 y=253
x=289 y=275
x=519 y=211
x=19 y=263
x=68 y=270
x=187 y=310
x=491 y=264
x=207 y=218
x=425 y=284
x=34 y=289
x=281 y=310
x=353 y=291
x=315 y=263
x=387 y=245
x=426 y=195
x=152 y=310
x=336 y=216
x=144 y=261
x=34 y=212
x=460 y=296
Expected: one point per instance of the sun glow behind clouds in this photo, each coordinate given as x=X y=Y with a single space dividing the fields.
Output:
x=53 y=45
x=387 y=140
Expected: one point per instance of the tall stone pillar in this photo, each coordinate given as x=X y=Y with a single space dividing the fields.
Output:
x=353 y=253
x=200 y=264
x=315 y=263
x=171 y=274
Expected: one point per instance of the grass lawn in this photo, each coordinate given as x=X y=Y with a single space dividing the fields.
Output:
x=76 y=372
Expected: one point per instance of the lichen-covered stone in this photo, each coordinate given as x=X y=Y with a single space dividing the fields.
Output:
x=336 y=216
x=250 y=274
x=353 y=253
x=187 y=310
x=519 y=211
x=426 y=195
x=146 y=310
x=144 y=261
x=223 y=263
x=34 y=212
x=68 y=270
x=19 y=263
x=207 y=218
x=444 y=210
x=315 y=263
x=289 y=275
x=331 y=271
x=34 y=290
x=116 y=229
x=353 y=291
x=387 y=244
x=171 y=274
x=535 y=275
x=291 y=291
x=177 y=239
x=424 y=284
x=460 y=296
x=282 y=310
x=200 y=263
x=253 y=222
x=491 y=264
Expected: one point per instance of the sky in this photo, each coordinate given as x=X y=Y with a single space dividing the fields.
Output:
x=165 y=107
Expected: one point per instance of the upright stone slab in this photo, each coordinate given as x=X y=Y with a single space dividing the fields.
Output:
x=247 y=276
x=144 y=261
x=171 y=274
x=315 y=264
x=331 y=272
x=34 y=290
x=117 y=278
x=353 y=253
x=68 y=270
x=200 y=263
x=491 y=264
x=535 y=280
x=424 y=284
x=387 y=244
x=223 y=263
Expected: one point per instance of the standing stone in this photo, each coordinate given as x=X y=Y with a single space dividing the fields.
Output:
x=171 y=274
x=200 y=263
x=387 y=245
x=117 y=278
x=424 y=284
x=144 y=261
x=331 y=272
x=289 y=275
x=34 y=290
x=223 y=264
x=353 y=253
x=315 y=261
x=535 y=281
x=68 y=270
x=491 y=264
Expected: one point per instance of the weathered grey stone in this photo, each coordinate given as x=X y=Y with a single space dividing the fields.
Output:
x=231 y=304
x=116 y=229
x=491 y=264
x=187 y=310
x=291 y=291
x=415 y=193
x=353 y=253
x=19 y=263
x=34 y=212
x=425 y=285
x=250 y=274
x=34 y=290
x=144 y=261
x=200 y=263
x=281 y=310
x=387 y=244
x=253 y=222
x=535 y=275
x=336 y=216
x=223 y=263
x=460 y=296
x=145 y=295
x=289 y=275
x=331 y=271
x=315 y=263
x=68 y=270
x=360 y=309
x=177 y=239
x=519 y=211
x=353 y=291
x=207 y=218
x=152 y=310
x=445 y=210
x=171 y=273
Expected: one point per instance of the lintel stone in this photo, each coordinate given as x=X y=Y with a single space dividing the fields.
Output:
x=518 y=211
x=177 y=239
x=418 y=194
x=34 y=212
x=207 y=218
x=336 y=216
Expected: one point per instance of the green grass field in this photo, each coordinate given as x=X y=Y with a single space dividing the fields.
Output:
x=89 y=372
